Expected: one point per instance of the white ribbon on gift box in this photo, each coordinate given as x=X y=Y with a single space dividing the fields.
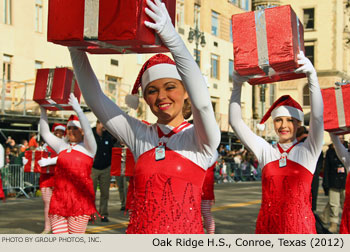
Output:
x=91 y=20
x=32 y=163
x=261 y=39
x=340 y=110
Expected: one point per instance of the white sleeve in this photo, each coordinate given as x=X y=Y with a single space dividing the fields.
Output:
x=342 y=152
x=207 y=129
x=118 y=123
x=314 y=141
x=250 y=140
x=89 y=138
x=57 y=144
x=51 y=161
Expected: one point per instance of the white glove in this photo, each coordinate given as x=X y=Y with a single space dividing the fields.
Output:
x=306 y=65
x=73 y=101
x=44 y=162
x=24 y=160
x=238 y=79
x=162 y=21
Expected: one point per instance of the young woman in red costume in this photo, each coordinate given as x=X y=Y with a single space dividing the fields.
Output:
x=73 y=196
x=344 y=156
x=288 y=166
x=171 y=155
x=46 y=180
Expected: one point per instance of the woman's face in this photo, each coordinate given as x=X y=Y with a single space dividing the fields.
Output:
x=75 y=134
x=59 y=133
x=286 y=128
x=166 y=97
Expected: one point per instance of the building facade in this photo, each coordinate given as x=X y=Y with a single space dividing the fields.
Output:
x=24 y=49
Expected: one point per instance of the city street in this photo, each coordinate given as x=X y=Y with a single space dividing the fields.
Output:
x=235 y=212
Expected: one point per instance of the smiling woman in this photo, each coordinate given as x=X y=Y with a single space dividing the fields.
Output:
x=171 y=155
x=288 y=166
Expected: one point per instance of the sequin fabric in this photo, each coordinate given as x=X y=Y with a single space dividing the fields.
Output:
x=167 y=195
x=286 y=200
x=345 y=219
x=208 y=185
x=73 y=193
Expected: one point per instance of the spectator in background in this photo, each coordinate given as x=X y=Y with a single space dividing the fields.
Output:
x=24 y=145
x=10 y=142
x=334 y=182
x=33 y=144
x=101 y=169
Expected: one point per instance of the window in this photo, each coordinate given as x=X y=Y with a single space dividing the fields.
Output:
x=214 y=73
x=111 y=87
x=306 y=95
x=197 y=55
x=214 y=23
x=39 y=15
x=197 y=15
x=7 y=18
x=180 y=16
x=230 y=71
x=6 y=66
x=309 y=19
x=244 y=4
x=231 y=34
x=310 y=53
x=233 y=1
x=272 y=93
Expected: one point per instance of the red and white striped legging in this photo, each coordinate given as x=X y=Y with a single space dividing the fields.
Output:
x=69 y=225
x=46 y=193
x=209 y=222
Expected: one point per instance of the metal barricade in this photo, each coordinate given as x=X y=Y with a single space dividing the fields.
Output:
x=15 y=180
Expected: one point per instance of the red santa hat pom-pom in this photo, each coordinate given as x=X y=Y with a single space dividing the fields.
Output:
x=283 y=106
x=74 y=121
x=157 y=67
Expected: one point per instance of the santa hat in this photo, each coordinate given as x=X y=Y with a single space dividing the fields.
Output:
x=157 y=67
x=58 y=126
x=284 y=106
x=73 y=121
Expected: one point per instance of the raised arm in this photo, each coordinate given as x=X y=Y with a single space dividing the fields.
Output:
x=54 y=142
x=315 y=137
x=342 y=152
x=207 y=130
x=113 y=118
x=89 y=139
x=250 y=140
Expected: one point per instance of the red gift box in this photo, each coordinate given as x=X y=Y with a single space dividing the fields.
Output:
x=119 y=156
x=33 y=157
x=266 y=44
x=53 y=87
x=104 y=26
x=336 y=111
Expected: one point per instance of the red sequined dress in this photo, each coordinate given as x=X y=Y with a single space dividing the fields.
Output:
x=47 y=179
x=208 y=185
x=167 y=194
x=345 y=219
x=2 y=194
x=286 y=200
x=73 y=193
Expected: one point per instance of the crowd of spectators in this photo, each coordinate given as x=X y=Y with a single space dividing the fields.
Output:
x=15 y=152
x=236 y=165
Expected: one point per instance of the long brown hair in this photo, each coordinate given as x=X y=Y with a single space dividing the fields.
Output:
x=186 y=109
